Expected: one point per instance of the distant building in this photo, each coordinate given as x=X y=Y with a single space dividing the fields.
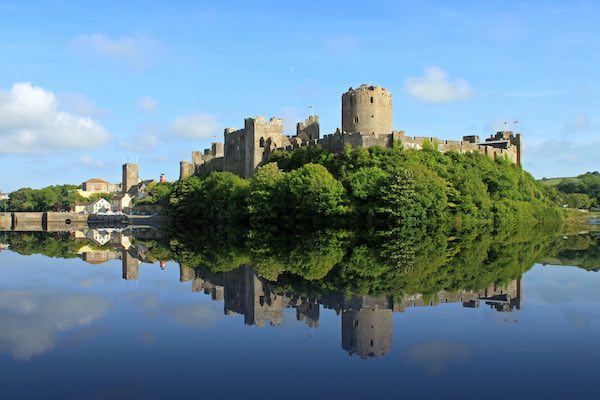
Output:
x=120 y=202
x=95 y=185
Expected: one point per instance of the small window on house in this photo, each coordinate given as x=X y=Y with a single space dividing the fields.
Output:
x=371 y=99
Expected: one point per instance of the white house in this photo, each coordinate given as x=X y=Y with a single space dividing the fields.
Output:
x=98 y=206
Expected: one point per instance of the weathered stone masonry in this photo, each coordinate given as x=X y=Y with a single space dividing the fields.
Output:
x=366 y=122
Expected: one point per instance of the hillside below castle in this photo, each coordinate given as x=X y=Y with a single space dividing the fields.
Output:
x=366 y=122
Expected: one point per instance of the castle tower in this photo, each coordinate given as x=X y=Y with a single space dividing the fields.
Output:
x=367 y=110
x=186 y=169
x=308 y=130
x=367 y=331
x=131 y=266
x=131 y=176
x=246 y=148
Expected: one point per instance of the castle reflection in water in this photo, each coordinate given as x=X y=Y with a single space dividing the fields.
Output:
x=366 y=320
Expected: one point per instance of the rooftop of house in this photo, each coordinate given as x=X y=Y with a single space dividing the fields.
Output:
x=95 y=180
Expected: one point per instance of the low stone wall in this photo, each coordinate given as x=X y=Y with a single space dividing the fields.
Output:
x=28 y=221
x=64 y=221
x=5 y=221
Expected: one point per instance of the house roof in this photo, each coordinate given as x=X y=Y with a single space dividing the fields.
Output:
x=95 y=180
x=96 y=201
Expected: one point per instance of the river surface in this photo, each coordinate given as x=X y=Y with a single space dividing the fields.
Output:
x=112 y=322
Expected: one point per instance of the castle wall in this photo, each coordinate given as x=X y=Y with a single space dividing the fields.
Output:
x=235 y=151
x=213 y=165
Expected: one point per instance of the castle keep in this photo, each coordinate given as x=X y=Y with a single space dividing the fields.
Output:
x=366 y=122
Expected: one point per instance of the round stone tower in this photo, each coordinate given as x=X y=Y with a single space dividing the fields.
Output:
x=367 y=331
x=367 y=110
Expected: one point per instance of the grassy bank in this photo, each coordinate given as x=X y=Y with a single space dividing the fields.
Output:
x=577 y=221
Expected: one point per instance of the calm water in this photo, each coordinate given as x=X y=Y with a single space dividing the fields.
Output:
x=112 y=322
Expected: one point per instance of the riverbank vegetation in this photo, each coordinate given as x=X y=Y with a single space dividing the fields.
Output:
x=51 y=198
x=371 y=188
x=581 y=192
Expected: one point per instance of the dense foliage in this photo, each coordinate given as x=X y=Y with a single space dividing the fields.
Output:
x=58 y=245
x=373 y=188
x=405 y=260
x=579 y=250
x=586 y=185
x=51 y=198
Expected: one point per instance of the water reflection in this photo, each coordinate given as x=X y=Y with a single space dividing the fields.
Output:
x=366 y=318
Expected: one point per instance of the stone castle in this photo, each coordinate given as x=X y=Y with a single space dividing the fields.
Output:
x=366 y=122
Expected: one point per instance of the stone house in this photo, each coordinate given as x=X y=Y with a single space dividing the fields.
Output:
x=121 y=202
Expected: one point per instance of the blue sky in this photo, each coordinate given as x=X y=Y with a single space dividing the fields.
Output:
x=86 y=87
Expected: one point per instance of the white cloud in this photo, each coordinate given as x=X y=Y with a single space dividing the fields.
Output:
x=138 y=50
x=435 y=87
x=30 y=121
x=32 y=320
x=147 y=104
x=195 y=126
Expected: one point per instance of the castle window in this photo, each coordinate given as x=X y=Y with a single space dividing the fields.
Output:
x=356 y=119
x=371 y=99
